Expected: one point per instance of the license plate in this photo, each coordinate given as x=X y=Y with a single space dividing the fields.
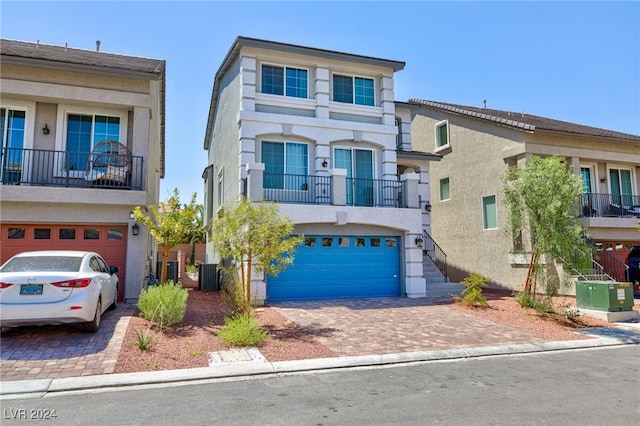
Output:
x=31 y=289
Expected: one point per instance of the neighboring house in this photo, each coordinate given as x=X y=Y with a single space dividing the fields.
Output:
x=60 y=188
x=479 y=144
x=318 y=132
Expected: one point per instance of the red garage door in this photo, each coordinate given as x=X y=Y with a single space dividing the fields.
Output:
x=110 y=241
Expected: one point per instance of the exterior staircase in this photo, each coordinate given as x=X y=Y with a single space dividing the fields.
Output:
x=438 y=287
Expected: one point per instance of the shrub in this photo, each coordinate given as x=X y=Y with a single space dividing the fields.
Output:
x=144 y=339
x=242 y=330
x=542 y=305
x=232 y=292
x=472 y=293
x=163 y=304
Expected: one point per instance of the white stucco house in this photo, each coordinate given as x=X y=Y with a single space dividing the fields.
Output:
x=58 y=187
x=318 y=132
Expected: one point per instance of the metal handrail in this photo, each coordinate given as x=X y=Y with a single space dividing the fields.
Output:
x=609 y=205
x=26 y=166
x=299 y=189
x=375 y=192
x=435 y=253
x=614 y=267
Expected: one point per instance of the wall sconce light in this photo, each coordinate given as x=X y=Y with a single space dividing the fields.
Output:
x=427 y=207
x=135 y=229
x=324 y=163
x=603 y=180
x=131 y=216
x=419 y=242
x=45 y=129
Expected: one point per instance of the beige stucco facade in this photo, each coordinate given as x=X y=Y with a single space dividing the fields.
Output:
x=48 y=83
x=478 y=153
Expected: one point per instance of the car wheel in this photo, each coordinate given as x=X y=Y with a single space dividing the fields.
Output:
x=114 y=305
x=93 y=326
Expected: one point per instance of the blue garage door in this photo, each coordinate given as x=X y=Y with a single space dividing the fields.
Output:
x=330 y=267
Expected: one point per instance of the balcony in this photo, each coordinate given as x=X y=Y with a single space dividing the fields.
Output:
x=335 y=189
x=39 y=167
x=609 y=205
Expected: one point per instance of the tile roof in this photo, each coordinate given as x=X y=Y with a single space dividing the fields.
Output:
x=526 y=122
x=65 y=56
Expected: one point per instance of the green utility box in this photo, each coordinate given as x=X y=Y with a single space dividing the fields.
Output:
x=609 y=296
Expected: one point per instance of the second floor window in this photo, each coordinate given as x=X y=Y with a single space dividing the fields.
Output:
x=353 y=90
x=284 y=163
x=284 y=81
x=84 y=132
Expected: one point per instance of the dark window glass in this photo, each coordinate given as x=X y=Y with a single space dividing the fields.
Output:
x=375 y=242
x=391 y=242
x=115 y=234
x=16 y=233
x=342 y=89
x=272 y=80
x=360 y=242
x=91 y=234
x=327 y=242
x=67 y=234
x=42 y=234
x=310 y=241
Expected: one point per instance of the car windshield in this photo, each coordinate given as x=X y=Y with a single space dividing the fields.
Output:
x=43 y=264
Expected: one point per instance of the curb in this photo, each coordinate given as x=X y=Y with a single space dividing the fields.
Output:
x=242 y=369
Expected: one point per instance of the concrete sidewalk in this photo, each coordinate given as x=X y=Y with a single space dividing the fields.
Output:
x=621 y=334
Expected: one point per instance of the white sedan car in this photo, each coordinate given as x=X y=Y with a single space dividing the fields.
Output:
x=56 y=287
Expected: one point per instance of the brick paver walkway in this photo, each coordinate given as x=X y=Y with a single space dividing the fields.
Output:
x=393 y=325
x=50 y=352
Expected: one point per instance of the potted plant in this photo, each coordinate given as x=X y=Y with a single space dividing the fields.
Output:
x=192 y=272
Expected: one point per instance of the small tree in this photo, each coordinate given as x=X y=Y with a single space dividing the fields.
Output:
x=541 y=198
x=254 y=235
x=170 y=223
x=197 y=232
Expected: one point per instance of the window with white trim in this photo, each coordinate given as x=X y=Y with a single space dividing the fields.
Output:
x=84 y=132
x=445 y=189
x=287 y=81
x=621 y=186
x=12 y=132
x=286 y=164
x=442 y=135
x=489 y=212
x=353 y=90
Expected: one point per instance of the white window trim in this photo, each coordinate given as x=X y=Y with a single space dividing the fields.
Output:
x=30 y=118
x=436 y=128
x=595 y=179
x=284 y=83
x=440 y=189
x=484 y=219
x=285 y=141
x=614 y=166
x=374 y=158
x=353 y=77
x=61 y=131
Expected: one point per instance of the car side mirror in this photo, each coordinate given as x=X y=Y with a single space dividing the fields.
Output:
x=113 y=270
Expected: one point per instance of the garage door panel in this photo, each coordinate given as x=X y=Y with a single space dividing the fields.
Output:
x=340 y=267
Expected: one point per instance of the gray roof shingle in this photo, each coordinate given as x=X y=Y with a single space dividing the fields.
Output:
x=527 y=122
x=26 y=51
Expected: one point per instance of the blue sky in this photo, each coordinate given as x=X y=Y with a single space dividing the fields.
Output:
x=572 y=61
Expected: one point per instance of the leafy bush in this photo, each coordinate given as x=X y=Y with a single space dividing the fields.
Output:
x=472 y=294
x=542 y=305
x=242 y=330
x=163 y=304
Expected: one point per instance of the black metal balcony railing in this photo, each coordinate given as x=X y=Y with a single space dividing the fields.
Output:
x=375 y=192
x=297 y=189
x=70 y=169
x=609 y=205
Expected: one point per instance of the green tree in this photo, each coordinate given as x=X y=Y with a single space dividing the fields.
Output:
x=197 y=232
x=541 y=198
x=170 y=223
x=254 y=235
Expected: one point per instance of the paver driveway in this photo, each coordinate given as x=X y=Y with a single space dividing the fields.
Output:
x=50 y=352
x=393 y=325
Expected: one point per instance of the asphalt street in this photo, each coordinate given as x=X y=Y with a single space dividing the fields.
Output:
x=571 y=387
